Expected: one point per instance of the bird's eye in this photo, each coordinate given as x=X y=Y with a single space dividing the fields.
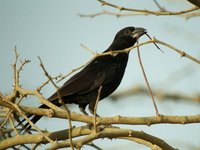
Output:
x=127 y=32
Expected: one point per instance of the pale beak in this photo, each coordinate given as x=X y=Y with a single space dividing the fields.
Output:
x=138 y=32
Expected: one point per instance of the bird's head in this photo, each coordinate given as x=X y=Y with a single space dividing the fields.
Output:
x=126 y=37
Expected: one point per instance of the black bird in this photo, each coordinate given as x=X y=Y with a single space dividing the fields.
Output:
x=106 y=71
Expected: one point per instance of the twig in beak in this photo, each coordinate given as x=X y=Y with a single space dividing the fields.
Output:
x=154 y=43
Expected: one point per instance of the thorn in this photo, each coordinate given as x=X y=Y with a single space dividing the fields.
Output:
x=103 y=4
x=120 y=8
x=183 y=54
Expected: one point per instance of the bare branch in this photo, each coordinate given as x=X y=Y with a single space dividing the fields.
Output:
x=110 y=13
x=29 y=121
x=109 y=120
x=154 y=40
x=191 y=15
x=61 y=101
x=162 y=9
x=89 y=50
x=147 y=82
x=95 y=109
x=128 y=14
x=20 y=93
x=157 y=13
x=160 y=94
x=116 y=133
x=143 y=142
x=135 y=12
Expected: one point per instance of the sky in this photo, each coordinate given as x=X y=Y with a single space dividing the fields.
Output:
x=54 y=31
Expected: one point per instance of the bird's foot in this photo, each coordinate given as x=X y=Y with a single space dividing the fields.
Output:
x=102 y=127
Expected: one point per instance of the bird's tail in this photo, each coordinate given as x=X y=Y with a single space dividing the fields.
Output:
x=26 y=127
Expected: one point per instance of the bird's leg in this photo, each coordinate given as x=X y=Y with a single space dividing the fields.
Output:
x=91 y=108
x=82 y=109
x=92 y=111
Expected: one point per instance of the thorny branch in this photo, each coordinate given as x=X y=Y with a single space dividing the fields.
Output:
x=154 y=40
x=61 y=101
x=133 y=12
x=112 y=133
x=160 y=94
x=16 y=94
x=108 y=120
x=9 y=102
x=128 y=14
x=157 y=13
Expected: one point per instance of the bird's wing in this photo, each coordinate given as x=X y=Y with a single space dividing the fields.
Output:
x=91 y=77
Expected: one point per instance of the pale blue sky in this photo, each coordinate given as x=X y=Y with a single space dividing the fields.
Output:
x=53 y=30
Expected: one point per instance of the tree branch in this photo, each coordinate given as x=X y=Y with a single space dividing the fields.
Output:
x=162 y=119
x=157 y=13
x=135 y=12
x=82 y=131
x=160 y=94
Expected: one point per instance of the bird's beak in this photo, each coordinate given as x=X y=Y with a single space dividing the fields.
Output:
x=138 y=32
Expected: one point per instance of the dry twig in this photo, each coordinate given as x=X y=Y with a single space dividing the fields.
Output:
x=61 y=101
x=19 y=92
x=136 y=12
x=157 y=13
x=95 y=108
x=146 y=80
x=160 y=94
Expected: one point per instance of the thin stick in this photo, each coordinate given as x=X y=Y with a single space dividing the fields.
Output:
x=12 y=124
x=145 y=11
x=62 y=102
x=95 y=108
x=89 y=50
x=162 y=9
x=146 y=80
x=182 y=53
